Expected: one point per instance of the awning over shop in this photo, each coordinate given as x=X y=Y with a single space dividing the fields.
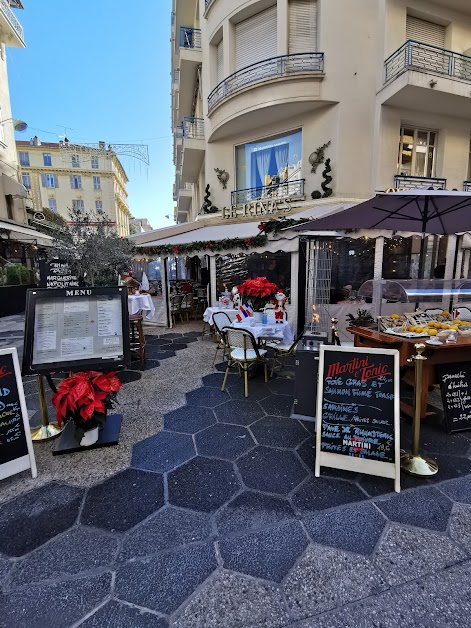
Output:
x=25 y=234
x=12 y=187
x=151 y=238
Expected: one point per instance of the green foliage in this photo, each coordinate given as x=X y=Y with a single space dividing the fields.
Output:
x=275 y=226
x=93 y=249
x=54 y=217
x=324 y=185
x=166 y=250
x=17 y=274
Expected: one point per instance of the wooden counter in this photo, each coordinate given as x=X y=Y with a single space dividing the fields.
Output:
x=439 y=354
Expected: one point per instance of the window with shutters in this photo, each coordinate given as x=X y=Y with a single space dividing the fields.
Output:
x=47 y=159
x=75 y=182
x=302 y=26
x=96 y=183
x=52 y=202
x=75 y=161
x=78 y=205
x=26 y=181
x=95 y=163
x=49 y=180
x=220 y=62
x=24 y=158
x=425 y=32
x=99 y=206
x=256 y=38
x=417 y=149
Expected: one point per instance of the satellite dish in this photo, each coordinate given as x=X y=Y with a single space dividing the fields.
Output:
x=20 y=125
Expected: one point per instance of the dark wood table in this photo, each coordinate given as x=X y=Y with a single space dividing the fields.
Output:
x=439 y=354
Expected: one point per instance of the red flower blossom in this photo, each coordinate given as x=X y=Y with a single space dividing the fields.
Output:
x=175 y=250
x=208 y=245
x=262 y=226
x=259 y=290
x=84 y=394
x=248 y=241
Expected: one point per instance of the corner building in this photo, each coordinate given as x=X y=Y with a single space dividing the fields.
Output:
x=259 y=85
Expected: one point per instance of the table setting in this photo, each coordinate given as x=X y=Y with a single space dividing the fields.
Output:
x=138 y=302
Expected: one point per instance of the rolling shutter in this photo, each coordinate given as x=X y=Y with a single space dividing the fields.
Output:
x=220 y=63
x=256 y=38
x=425 y=32
x=302 y=26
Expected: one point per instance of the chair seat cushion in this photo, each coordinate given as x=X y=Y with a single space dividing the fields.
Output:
x=278 y=347
x=238 y=354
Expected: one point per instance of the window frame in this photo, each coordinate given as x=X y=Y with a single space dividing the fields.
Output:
x=26 y=175
x=96 y=182
x=22 y=153
x=99 y=209
x=78 y=201
x=413 y=164
x=51 y=177
x=76 y=182
x=75 y=161
x=54 y=202
x=95 y=163
x=45 y=155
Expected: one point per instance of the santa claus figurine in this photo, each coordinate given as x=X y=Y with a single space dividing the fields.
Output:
x=236 y=300
x=279 y=302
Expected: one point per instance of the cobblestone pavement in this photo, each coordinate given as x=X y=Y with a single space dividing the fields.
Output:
x=207 y=515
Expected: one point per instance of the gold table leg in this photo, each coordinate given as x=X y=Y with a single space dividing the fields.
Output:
x=412 y=462
x=46 y=430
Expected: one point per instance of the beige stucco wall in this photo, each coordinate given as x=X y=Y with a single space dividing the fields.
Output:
x=349 y=105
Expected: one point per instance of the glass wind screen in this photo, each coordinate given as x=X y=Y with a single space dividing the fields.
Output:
x=413 y=290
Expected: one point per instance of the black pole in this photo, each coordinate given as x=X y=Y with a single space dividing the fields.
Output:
x=423 y=246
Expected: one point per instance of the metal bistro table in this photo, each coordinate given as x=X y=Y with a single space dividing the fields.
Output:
x=138 y=302
x=273 y=331
x=438 y=354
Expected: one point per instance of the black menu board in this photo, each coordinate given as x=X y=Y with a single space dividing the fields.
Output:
x=455 y=386
x=358 y=411
x=56 y=274
x=16 y=450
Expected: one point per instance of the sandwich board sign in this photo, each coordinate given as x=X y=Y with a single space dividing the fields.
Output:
x=358 y=411
x=16 y=447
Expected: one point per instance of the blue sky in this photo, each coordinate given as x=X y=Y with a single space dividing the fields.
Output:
x=103 y=69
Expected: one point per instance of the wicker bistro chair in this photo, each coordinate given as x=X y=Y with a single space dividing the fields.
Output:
x=282 y=351
x=137 y=341
x=221 y=320
x=243 y=352
x=176 y=307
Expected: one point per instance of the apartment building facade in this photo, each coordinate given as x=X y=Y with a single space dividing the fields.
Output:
x=382 y=87
x=62 y=176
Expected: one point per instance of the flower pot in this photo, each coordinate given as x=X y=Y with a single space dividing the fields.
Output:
x=90 y=437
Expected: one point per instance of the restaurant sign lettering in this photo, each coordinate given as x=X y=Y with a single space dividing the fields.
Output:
x=260 y=207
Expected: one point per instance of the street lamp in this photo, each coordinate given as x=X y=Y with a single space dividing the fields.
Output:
x=18 y=125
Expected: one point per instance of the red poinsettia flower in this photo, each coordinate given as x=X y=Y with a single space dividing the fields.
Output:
x=175 y=250
x=259 y=290
x=208 y=245
x=84 y=394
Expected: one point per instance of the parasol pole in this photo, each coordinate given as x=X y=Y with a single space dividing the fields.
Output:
x=423 y=248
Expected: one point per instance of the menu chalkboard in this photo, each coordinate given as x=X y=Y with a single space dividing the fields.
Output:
x=455 y=386
x=16 y=448
x=358 y=411
x=56 y=274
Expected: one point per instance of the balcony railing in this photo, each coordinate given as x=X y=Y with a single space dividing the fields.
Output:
x=11 y=17
x=190 y=37
x=288 y=189
x=193 y=128
x=176 y=77
x=414 y=55
x=276 y=67
x=412 y=183
x=467 y=186
x=179 y=132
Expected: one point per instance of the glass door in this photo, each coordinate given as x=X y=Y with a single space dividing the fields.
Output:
x=417 y=152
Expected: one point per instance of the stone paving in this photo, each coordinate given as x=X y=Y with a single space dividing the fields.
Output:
x=208 y=515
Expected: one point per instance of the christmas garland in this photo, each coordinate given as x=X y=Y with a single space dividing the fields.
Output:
x=202 y=246
x=275 y=226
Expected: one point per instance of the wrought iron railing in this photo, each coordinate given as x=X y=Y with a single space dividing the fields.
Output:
x=11 y=17
x=467 y=186
x=193 y=128
x=179 y=132
x=190 y=37
x=412 y=183
x=186 y=187
x=287 y=189
x=276 y=67
x=415 y=55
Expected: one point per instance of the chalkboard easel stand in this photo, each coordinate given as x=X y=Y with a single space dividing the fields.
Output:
x=412 y=462
x=46 y=431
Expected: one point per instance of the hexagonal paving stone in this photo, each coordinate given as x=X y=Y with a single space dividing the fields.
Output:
x=80 y=549
x=202 y=484
x=252 y=510
x=268 y=554
x=278 y=405
x=54 y=605
x=123 y=500
x=163 y=583
x=450 y=467
x=189 y=419
x=155 y=341
x=281 y=385
x=354 y=528
x=271 y=470
x=215 y=380
x=322 y=493
x=169 y=528
x=224 y=441
x=37 y=517
x=163 y=452
x=376 y=486
x=117 y=615
x=162 y=352
x=241 y=412
x=423 y=508
x=458 y=490
x=406 y=554
x=433 y=440
x=171 y=336
x=206 y=396
x=276 y=431
x=460 y=526
x=257 y=389
x=178 y=346
x=230 y=600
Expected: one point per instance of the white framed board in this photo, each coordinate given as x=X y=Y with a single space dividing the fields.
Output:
x=16 y=446
x=358 y=411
